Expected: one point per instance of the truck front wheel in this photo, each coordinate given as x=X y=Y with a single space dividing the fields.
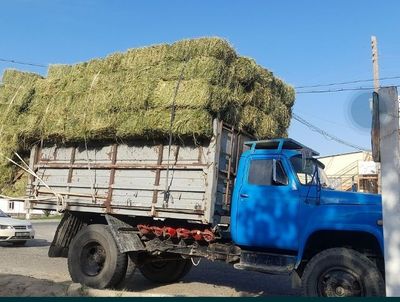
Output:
x=165 y=271
x=94 y=259
x=341 y=272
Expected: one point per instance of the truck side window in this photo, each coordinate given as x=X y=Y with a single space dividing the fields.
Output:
x=281 y=177
x=260 y=172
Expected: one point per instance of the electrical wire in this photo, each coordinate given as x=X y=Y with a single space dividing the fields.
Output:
x=342 y=90
x=346 y=83
x=326 y=134
x=296 y=87
x=23 y=63
x=335 y=90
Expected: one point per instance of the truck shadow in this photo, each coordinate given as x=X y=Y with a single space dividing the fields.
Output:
x=223 y=280
x=29 y=243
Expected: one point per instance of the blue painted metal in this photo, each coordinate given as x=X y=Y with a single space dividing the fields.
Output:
x=280 y=144
x=284 y=217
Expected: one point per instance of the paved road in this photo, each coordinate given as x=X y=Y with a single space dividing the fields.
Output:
x=209 y=278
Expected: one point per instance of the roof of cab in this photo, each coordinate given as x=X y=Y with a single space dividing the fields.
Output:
x=281 y=145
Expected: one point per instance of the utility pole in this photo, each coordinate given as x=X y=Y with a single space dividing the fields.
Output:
x=390 y=171
x=386 y=149
x=375 y=64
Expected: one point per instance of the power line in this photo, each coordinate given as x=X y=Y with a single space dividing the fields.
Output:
x=339 y=90
x=326 y=134
x=297 y=87
x=23 y=63
x=345 y=83
x=335 y=90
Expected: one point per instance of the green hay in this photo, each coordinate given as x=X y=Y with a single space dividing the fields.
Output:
x=16 y=78
x=204 y=47
x=129 y=95
x=245 y=71
x=154 y=123
x=261 y=124
x=191 y=94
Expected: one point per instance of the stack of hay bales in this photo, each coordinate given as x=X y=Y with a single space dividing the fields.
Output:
x=129 y=95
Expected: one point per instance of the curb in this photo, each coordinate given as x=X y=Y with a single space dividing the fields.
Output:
x=38 y=221
x=78 y=290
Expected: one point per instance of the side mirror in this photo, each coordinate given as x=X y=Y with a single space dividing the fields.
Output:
x=278 y=178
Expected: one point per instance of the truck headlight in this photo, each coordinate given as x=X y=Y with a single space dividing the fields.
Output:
x=5 y=227
x=29 y=227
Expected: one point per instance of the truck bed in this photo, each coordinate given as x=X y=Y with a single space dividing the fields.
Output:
x=130 y=178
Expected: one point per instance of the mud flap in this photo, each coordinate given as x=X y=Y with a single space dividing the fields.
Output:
x=126 y=237
x=68 y=227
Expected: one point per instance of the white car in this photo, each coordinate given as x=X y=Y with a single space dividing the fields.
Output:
x=15 y=231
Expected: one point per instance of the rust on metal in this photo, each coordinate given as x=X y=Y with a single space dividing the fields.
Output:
x=45 y=191
x=228 y=179
x=158 y=173
x=55 y=153
x=72 y=161
x=177 y=153
x=201 y=153
x=71 y=170
x=186 y=166
x=107 y=202
x=32 y=161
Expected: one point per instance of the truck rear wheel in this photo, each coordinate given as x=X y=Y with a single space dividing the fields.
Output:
x=341 y=272
x=165 y=271
x=94 y=259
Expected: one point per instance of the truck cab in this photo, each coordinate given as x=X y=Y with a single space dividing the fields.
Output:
x=285 y=212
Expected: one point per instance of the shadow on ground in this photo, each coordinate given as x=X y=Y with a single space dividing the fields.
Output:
x=29 y=243
x=208 y=279
x=221 y=279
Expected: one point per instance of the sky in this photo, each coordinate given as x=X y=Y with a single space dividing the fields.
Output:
x=303 y=42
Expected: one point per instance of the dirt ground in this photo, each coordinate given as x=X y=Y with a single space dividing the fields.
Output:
x=28 y=271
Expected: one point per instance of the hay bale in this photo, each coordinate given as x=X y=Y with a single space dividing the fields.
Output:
x=204 y=47
x=259 y=123
x=245 y=71
x=129 y=95
x=155 y=123
x=212 y=70
x=77 y=100
x=16 y=78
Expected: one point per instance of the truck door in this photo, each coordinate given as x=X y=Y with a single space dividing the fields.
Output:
x=266 y=212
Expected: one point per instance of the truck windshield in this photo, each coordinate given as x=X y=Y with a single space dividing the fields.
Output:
x=306 y=171
x=2 y=214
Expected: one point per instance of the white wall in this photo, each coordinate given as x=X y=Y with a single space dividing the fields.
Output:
x=337 y=164
x=18 y=207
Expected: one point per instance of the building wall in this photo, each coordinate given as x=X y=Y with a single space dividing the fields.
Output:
x=15 y=208
x=347 y=162
x=352 y=171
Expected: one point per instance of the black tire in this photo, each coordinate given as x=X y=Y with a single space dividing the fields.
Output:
x=340 y=272
x=94 y=259
x=19 y=243
x=166 y=271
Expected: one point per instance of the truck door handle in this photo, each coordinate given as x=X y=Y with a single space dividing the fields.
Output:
x=244 y=195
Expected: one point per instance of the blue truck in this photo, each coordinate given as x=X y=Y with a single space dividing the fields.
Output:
x=264 y=206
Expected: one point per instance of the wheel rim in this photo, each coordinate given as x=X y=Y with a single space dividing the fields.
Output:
x=93 y=257
x=340 y=282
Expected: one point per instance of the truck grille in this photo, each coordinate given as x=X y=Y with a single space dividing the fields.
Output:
x=20 y=227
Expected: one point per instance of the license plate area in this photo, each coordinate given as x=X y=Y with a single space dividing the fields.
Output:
x=22 y=234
